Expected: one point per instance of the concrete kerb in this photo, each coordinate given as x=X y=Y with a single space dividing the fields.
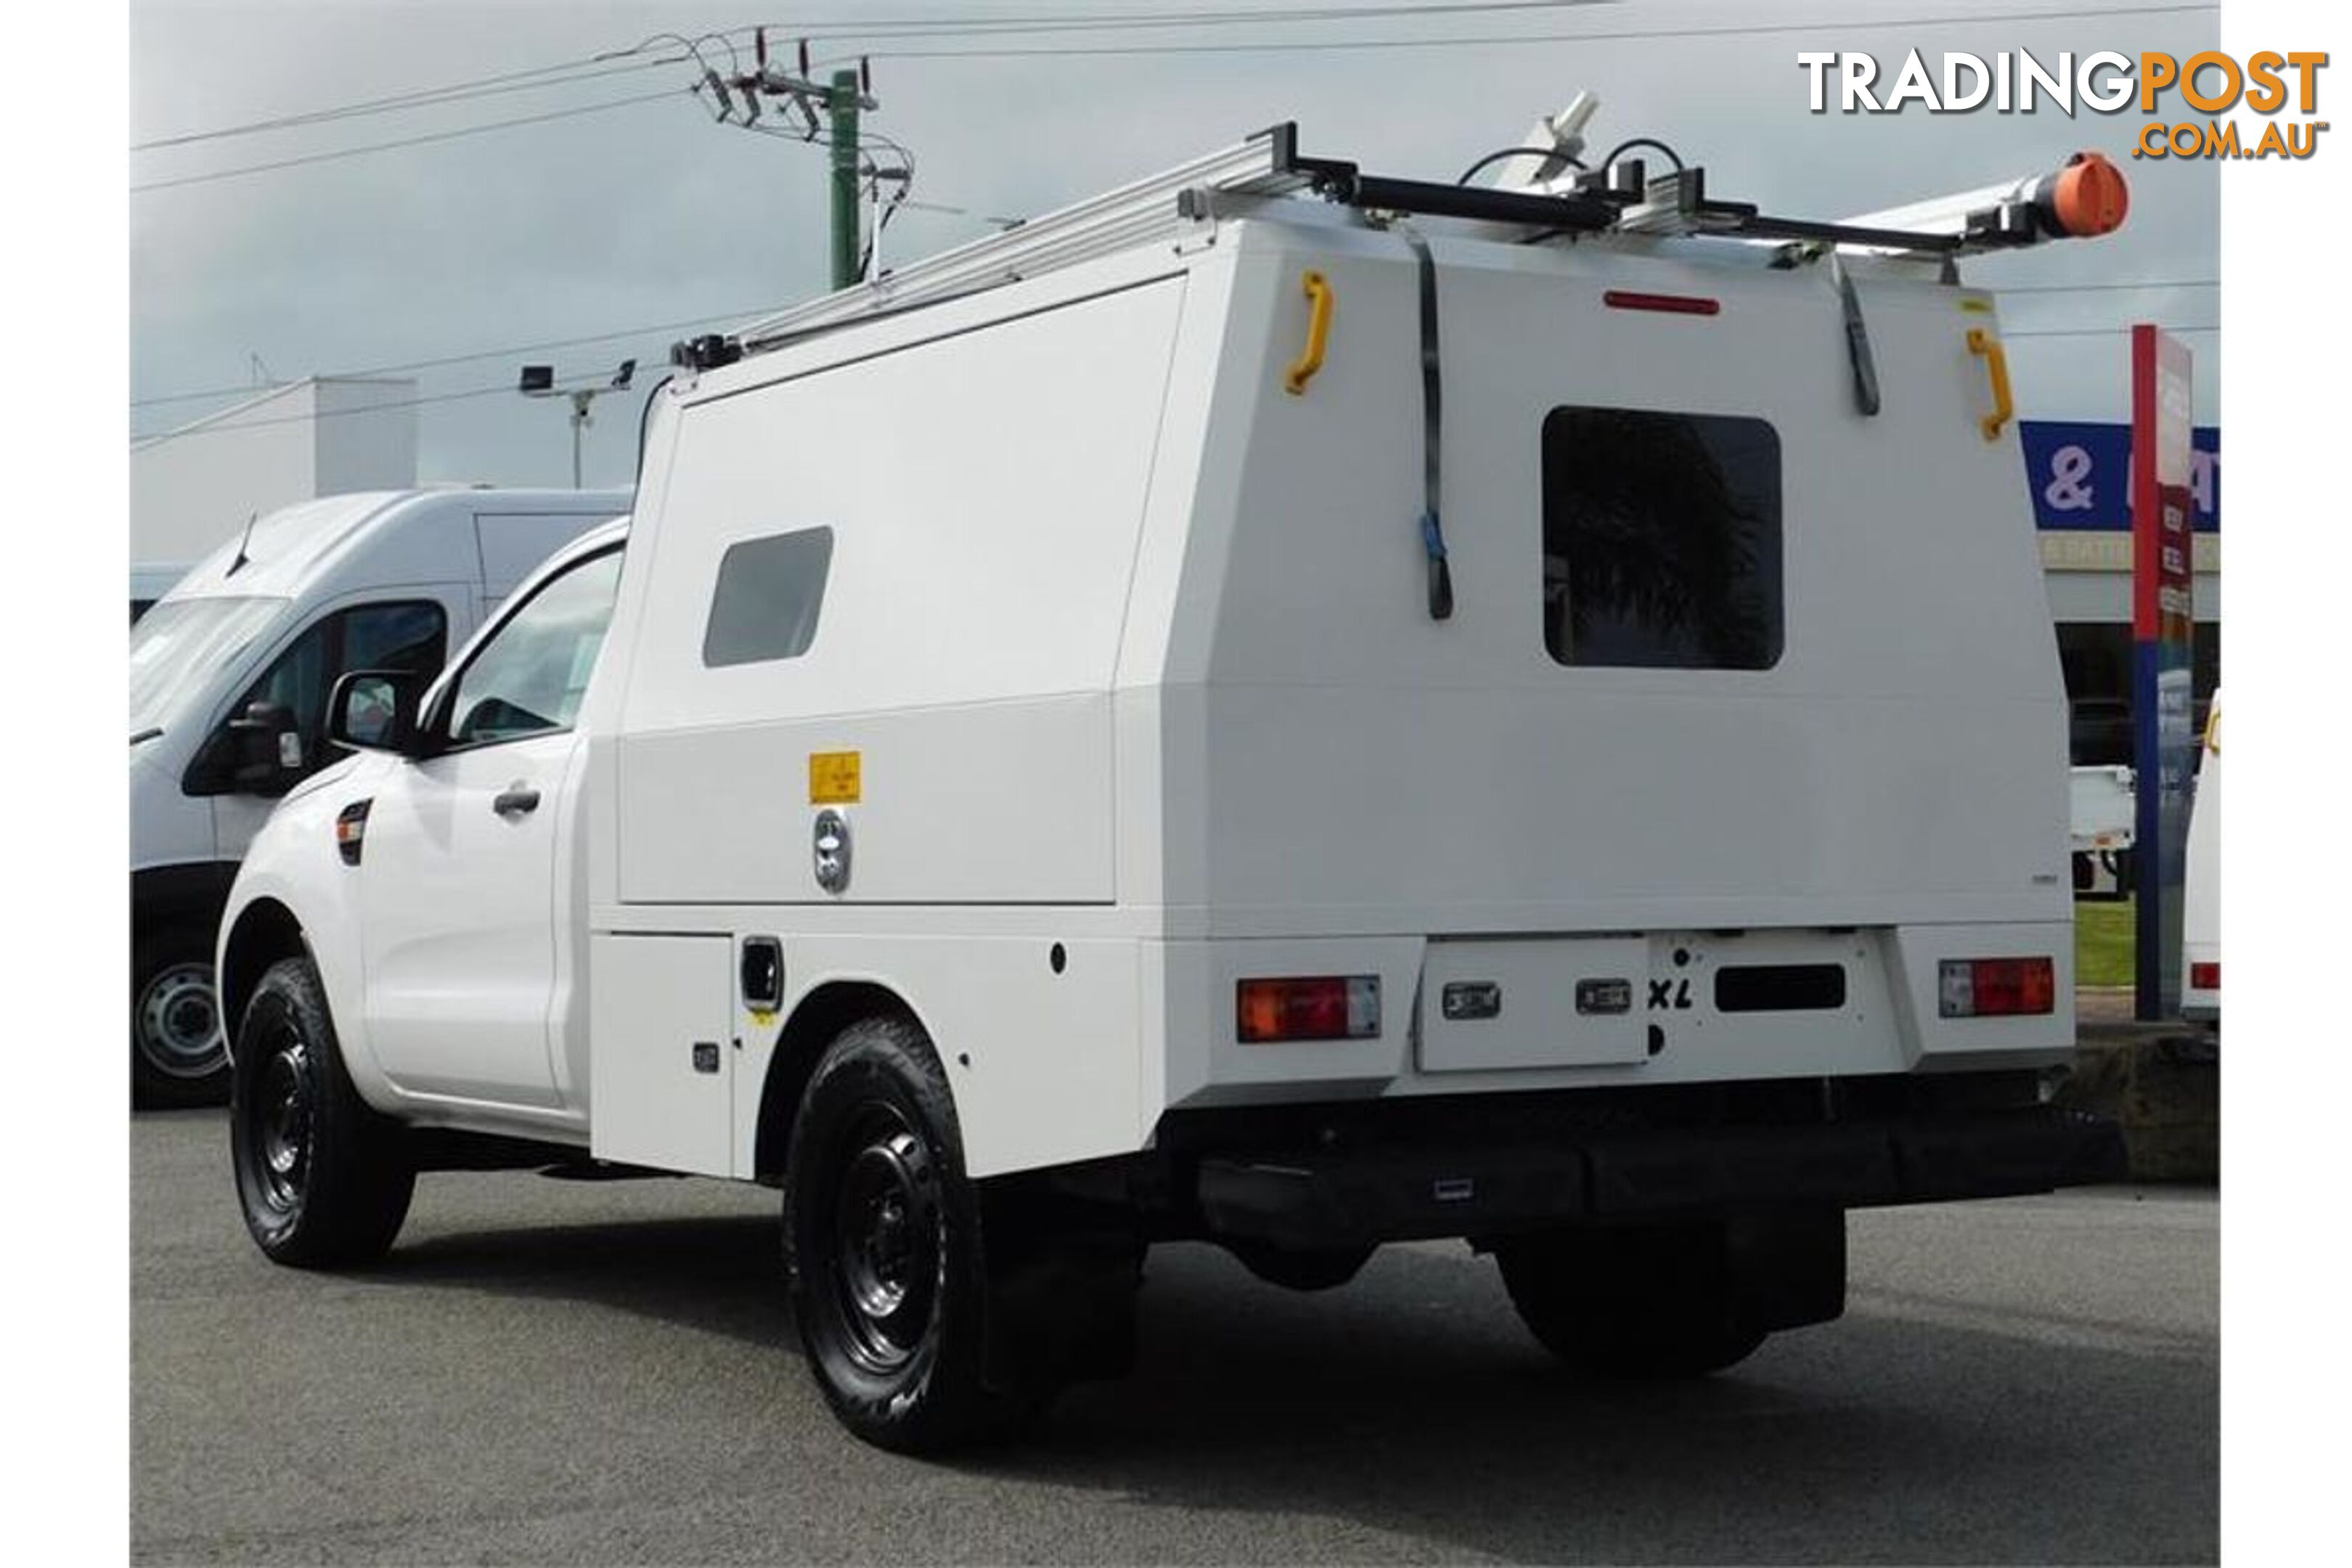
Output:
x=2162 y=1082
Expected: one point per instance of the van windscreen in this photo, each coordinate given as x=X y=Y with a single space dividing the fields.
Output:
x=1661 y=540
x=180 y=647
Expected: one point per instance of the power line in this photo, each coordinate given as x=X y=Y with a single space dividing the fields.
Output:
x=195 y=430
x=406 y=141
x=1743 y=30
x=1083 y=22
x=649 y=330
x=614 y=63
x=424 y=98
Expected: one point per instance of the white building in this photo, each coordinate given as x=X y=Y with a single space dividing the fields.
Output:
x=195 y=487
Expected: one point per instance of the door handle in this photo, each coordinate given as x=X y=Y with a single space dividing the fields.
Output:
x=516 y=800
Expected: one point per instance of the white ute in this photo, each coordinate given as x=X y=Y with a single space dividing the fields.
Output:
x=230 y=671
x=1074 y=751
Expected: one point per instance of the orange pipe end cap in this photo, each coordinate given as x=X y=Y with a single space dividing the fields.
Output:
x=2091 y=197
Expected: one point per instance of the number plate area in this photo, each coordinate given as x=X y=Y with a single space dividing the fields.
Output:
x=1708 y=1004
x=1535 y=1002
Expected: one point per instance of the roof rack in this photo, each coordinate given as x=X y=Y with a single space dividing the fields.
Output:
x=1259 y=174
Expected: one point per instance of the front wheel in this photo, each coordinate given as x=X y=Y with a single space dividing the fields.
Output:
x=322 y=1180
x=882 y=1246
x=179 y=1055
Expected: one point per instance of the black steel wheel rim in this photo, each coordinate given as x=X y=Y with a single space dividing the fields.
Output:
x=887 y=1238
x=284 y=1123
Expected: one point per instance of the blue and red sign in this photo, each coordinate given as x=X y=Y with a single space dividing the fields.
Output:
x=2163 y=481
x=2080 y=475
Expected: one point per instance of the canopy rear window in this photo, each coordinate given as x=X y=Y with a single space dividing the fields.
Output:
x=1661 y=540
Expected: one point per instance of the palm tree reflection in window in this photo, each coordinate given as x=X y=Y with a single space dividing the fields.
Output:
x=1661 y=539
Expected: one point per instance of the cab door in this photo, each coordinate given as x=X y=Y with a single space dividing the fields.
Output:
x=458 y=879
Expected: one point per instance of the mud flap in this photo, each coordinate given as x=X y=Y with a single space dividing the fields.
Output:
x=1062 y=1281
x=1787 y=1266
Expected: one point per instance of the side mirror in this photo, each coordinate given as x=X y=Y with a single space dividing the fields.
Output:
x=266 y=748
x=375 y=711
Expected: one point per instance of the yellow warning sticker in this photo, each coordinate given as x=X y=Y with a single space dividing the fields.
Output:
x=832 y=778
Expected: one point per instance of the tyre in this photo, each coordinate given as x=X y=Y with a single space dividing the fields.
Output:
x=179 y=1055
x=324 y=1181
x=1637 y=1302
x=1300 y=1268
x=883 y=1249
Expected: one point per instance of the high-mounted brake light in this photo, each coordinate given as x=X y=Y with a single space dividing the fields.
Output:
x=2206 y=976
x=1995 y=987
x=1671 y=304
x=1314 y=1007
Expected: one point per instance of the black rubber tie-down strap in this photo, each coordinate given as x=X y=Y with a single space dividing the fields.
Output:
x=1433 y=533
x=1857 y=340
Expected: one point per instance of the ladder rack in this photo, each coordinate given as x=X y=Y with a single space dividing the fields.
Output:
x=1260 y=174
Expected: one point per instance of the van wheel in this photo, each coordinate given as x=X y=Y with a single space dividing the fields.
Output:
x=883 y=1247
x=1637 y=1302
x=178 y=1054
x=324 y=1181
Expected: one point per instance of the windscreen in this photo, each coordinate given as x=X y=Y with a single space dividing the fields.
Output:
x=177 y=648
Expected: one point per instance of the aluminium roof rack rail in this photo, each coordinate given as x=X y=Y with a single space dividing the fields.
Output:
x=2085 y=197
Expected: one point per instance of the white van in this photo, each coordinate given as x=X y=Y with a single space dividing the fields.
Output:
x=2200 y=889
x=151 y=583
x=1216 y=715
x=393 y=578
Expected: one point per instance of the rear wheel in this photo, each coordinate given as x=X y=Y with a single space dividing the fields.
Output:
x=1300 y=1268
x=1649 y=1302
x=883 y=1247
x=322 y=1180
x=179 y=1055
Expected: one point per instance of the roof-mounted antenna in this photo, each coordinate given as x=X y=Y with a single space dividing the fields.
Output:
x=241 y=558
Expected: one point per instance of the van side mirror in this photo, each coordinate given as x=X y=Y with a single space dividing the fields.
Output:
x=266 y=748
x=375 y=711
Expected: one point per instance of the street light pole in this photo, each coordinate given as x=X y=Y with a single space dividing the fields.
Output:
x=580 y=421
x=539 y=381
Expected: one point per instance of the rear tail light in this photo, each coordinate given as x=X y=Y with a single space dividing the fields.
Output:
x=2206 y=976
x=1995 y=987
x=1315 y=1007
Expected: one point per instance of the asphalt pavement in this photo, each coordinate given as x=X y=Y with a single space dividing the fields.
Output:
x=583 y=1374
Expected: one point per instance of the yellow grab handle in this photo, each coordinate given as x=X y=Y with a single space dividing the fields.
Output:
x=1987 y=347
x=1318 y=329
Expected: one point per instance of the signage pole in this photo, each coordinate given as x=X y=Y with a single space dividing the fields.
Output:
x=2163 y=624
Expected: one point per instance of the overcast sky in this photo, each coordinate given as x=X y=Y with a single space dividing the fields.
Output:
x=651 y=212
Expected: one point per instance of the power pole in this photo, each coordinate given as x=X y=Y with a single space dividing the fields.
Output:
x=833 y=107
x=841 y=113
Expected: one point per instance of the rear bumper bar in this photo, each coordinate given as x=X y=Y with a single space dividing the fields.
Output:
x=1317 y=1200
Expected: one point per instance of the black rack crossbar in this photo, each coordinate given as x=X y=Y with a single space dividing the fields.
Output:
x=1345 y=183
